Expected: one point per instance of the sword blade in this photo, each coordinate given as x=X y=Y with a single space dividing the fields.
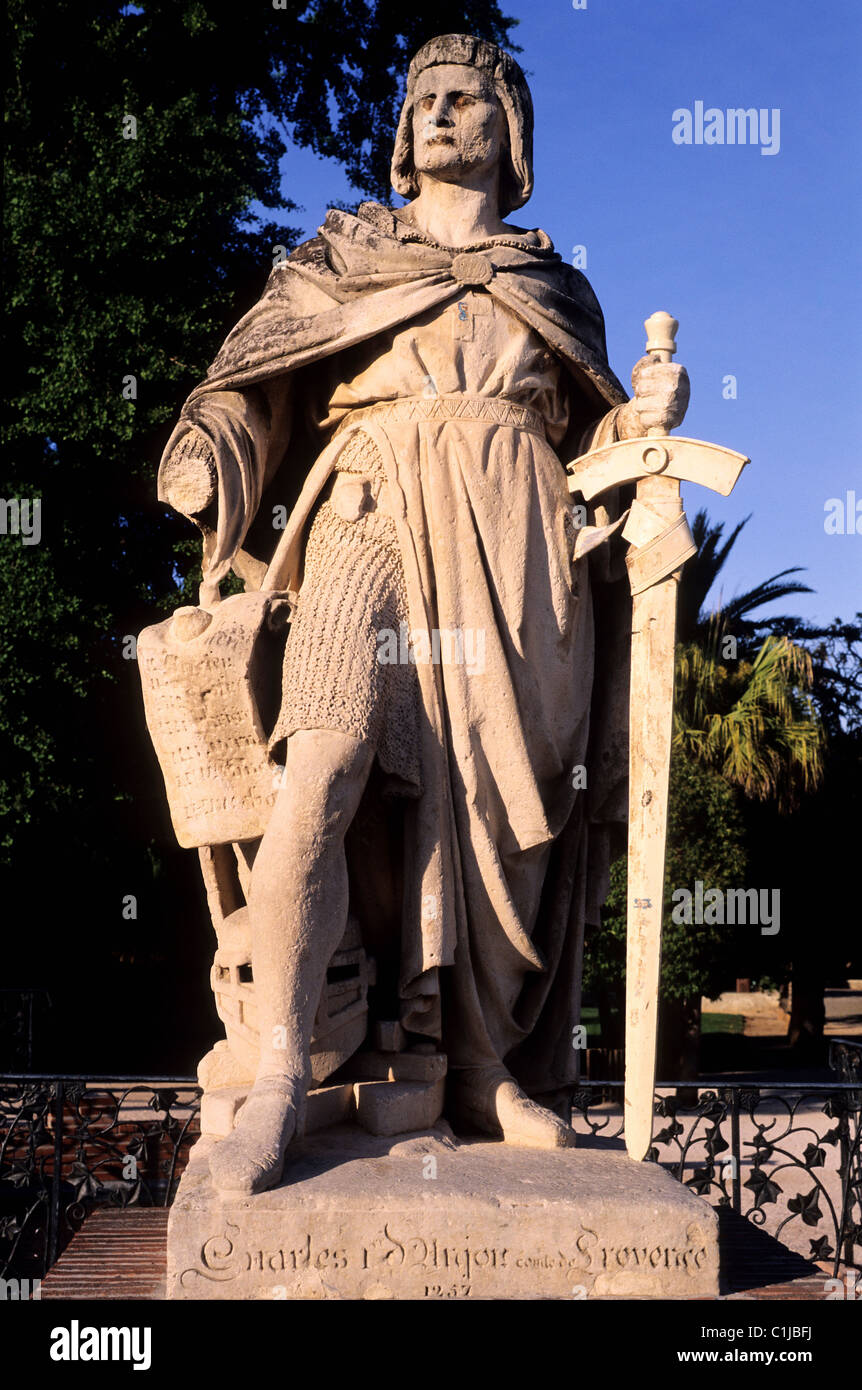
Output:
x=651 y=719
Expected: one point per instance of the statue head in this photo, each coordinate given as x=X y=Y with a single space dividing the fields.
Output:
x=496 y=122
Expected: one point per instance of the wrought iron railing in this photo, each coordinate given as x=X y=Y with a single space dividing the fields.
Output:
x=69 y=1144
x=801 y=1144
x=18 y=1010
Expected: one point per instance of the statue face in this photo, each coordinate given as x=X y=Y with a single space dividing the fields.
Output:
x=459 y=126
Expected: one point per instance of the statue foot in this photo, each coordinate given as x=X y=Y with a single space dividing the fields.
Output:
x=251 y=1159
x=492 y=1100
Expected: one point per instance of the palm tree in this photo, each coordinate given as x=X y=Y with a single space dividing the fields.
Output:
x=747 y=714
x=700 y=574
x=750 y=720
x=744 y=709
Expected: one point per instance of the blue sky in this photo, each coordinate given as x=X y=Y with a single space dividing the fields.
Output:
x=758 y=256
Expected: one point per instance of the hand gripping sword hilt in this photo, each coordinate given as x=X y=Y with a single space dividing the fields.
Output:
x=657 y=463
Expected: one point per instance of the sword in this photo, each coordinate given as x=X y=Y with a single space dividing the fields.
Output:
x=661 y=542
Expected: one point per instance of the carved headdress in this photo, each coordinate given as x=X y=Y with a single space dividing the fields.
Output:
x=510 y=85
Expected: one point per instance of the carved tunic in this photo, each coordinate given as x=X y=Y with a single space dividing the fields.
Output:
x=349 y=664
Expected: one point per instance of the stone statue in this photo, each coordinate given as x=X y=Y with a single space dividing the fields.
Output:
x=453 y=691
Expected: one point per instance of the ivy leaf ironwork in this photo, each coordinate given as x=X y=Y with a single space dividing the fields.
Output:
x=669 y=1133
x=702 y=1182
x=765 y=1189
x=806 y=1205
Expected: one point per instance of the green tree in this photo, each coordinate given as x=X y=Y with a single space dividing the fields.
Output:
x=836 y=665
x=812 y=853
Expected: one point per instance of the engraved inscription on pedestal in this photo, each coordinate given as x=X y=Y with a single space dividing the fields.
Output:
x=397 y=1259
x=423 y=1218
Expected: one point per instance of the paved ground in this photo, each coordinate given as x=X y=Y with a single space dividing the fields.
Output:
x=843 y=1016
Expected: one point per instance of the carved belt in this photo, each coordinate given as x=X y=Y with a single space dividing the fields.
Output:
x=495 y=409
x=356 y=492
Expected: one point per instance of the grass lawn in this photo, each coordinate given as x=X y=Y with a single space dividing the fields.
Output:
x=709 y=1023
x=722 y=1023
x=590 y=1020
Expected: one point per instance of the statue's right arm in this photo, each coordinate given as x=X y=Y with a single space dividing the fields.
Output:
x=250 y=425
x=225 y=451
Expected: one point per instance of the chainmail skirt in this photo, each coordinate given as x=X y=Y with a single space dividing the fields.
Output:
x=351 y=612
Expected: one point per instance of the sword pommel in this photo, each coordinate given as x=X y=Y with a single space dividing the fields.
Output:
x=661 y=335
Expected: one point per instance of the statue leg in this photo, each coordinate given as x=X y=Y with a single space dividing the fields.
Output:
x=298 y=909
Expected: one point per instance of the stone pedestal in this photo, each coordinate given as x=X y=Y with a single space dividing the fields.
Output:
x=429 y=1217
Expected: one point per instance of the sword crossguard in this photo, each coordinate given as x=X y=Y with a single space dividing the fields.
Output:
x=664 y=455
